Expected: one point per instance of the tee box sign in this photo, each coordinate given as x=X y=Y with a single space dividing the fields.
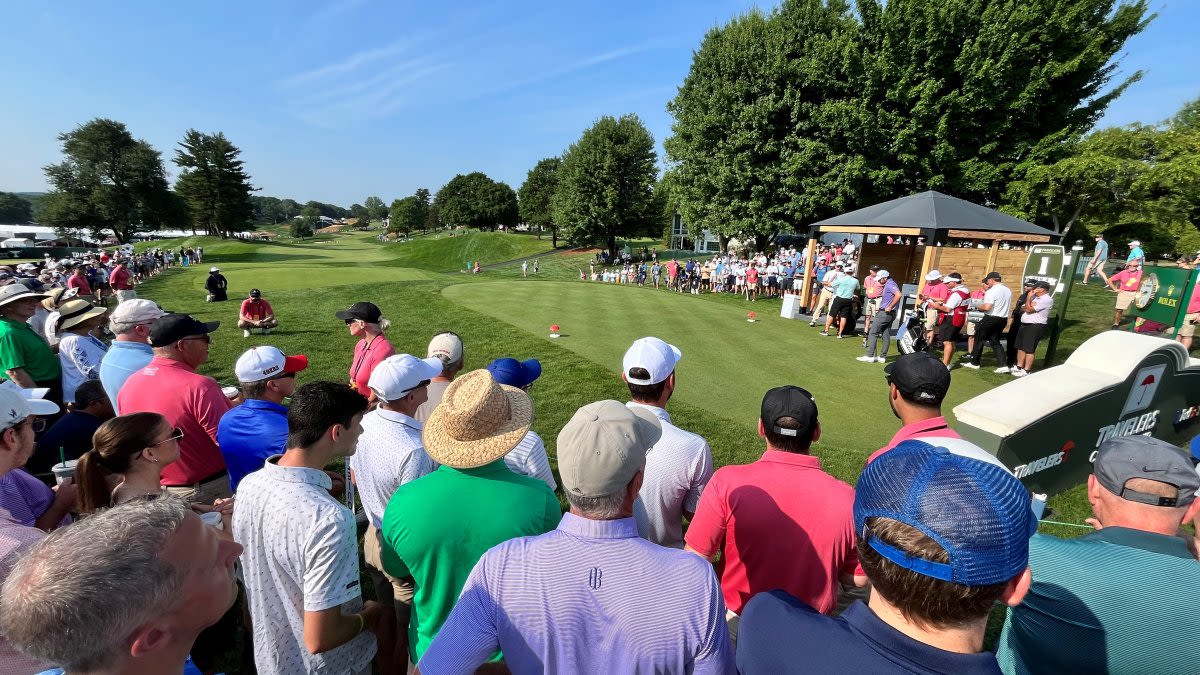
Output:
x=1045 y=263
x=1047 y=427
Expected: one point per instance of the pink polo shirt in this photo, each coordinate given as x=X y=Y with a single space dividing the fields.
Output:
x=190 y=401
x=780 y=522
x=938 y=291
x=932 y=427
x=368 y=353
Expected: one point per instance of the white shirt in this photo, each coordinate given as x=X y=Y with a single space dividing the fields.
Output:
x=51 y=328
x=956 y=297
x=677 y=469
x=831 y=276
x=529 y=459
x=1000 y=298
x=80 y=357
x=389 y=454
x=301 y=555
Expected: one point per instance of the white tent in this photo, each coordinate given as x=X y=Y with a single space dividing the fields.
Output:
x=16 y=242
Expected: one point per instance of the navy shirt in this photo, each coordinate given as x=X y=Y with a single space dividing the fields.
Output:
x=778 y=632
x=72 y=432
x=249 y=434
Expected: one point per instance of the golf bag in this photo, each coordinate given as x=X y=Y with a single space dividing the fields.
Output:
x=910 y=337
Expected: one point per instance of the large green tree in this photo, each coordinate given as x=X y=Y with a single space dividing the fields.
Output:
x=14 y=209
x=536 y=194
x=407 y=215
x=214 y=182
x=606 y=183
x=376 y=209
x=108 y=183
x=474 y=200
x=306 y=223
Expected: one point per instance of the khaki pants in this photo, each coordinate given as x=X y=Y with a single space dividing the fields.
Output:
x=203 y=493
x=402 y=589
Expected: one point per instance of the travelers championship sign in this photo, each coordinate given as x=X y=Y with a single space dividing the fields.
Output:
x=1045 y=263
x=1046 y=427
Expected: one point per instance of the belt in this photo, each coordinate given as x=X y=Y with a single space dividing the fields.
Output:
x=216 y=476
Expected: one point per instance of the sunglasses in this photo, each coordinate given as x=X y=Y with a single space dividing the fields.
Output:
x=38 y=425
x=206 y=338
x=176 y=434
x=350 y=321
x=422 y=383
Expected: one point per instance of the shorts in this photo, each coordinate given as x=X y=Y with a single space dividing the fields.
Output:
x=931 y=319
x=1029 y=335
x=1125 y=299
x=947 y=331
x=842 y=308
x=871 y=306
x=1188 y=329
x=971 y=328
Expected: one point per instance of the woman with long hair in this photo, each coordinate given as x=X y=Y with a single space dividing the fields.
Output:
x=366 y=322
x=126 y=462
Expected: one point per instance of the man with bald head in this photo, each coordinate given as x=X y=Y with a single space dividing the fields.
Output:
x=1119 y=599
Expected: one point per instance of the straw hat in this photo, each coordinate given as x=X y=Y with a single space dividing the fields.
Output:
x=75 y=311
x=478 y=421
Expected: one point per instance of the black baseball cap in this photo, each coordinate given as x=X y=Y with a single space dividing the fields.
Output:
x=874 y=268
x=919 y=377
x=789 y=401
x=1044 y=285
x=992 y=275
x=255 y=293
x=365 y=311
x=1030 y=282
x=172 y=328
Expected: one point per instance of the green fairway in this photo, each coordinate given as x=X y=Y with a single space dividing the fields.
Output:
x=728 y=363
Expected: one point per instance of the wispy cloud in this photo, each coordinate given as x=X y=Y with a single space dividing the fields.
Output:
x=348 y=65
x=575 y=66
x=373 y=102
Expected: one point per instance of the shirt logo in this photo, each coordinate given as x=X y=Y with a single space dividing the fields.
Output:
x=595 y=578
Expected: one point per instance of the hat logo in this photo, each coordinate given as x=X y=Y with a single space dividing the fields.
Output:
x=270 y=370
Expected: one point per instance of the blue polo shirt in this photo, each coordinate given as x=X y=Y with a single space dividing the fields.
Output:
x=120 y=361
x=779 y=634
x=249 y=434
x=1116 y=600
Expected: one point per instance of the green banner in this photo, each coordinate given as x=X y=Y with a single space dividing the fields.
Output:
x=1164 y=295
x=1045 y=263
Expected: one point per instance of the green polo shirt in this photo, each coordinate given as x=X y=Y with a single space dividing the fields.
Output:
x=1112 y=601
x=437 y=527
x=20 y=347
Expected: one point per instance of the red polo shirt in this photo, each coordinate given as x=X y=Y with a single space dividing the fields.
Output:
x=119 y=279
x=780 y=522
x=188 y=400
x=936 y=427
x=256 y=309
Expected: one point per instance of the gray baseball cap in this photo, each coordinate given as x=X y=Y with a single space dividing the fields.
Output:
x=603 y=446
x=1126 y=457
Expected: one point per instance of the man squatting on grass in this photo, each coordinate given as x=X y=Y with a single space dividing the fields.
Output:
x=497 y=573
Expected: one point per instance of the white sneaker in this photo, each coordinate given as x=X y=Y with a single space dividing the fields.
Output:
x=1002 y=370
x=970 y=365
x=949 y=366
x=1017 y=372
x=880 y=359
x=246 y=333
x=866 y=359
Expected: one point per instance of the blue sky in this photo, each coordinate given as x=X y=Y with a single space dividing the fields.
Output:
x=339 y=100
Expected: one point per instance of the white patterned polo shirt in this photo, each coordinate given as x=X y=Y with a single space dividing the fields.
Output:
x=677 y=469
x=301 y=555
x=529 y=458
x=389 y=454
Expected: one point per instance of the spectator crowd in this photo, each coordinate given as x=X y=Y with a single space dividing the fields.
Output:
x=183 y=528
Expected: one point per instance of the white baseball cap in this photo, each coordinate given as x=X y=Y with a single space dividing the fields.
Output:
x=881 y=275
x=136 y=311
x=933 y=275
x=264 y=363
x=651 y=353
x=214 y=269
x=1135 y=242
x=397 y=375
x=446 y=346
x=16 y=404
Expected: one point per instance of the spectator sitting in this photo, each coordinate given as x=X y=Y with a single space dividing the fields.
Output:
x=79 y=350
x=917 y=385
x=16 y=445
x=448 y=347
x=217 y=286
x=257 y=429
x=301 y=559
x=681 y=463
x=123 y=592
x=529 y=457
x=170 y=386
x=651 y=609
x=436 y=528
x=390 y=453
x=72 y=433
x=130 y=351
x=1095 y=598
x=781 y=522
x=256 y=313
x=942 y=537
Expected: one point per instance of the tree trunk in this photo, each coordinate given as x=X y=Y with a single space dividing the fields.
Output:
x=554 y=237
x=612 y=244
x=723 y=242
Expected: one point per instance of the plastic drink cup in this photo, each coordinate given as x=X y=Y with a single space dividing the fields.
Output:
x=63 y=471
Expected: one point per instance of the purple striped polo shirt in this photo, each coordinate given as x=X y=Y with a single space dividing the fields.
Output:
x=590 y=596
